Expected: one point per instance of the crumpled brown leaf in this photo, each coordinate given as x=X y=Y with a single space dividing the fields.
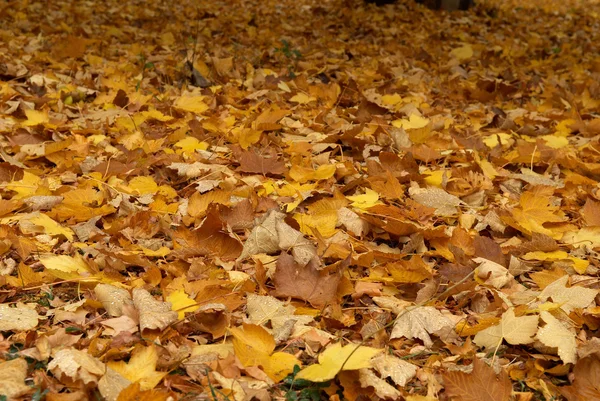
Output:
x=153 y=314
x=304 y=281
x=273 y=235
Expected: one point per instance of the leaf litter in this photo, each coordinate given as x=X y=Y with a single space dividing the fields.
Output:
x=299 y=201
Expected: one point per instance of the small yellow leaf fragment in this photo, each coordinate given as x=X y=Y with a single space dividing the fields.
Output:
x=413 y=122
x=538 y=255
x=368 y=199
x=336 y=358
x=181 y=303
x=462 y=53
x=302 y=98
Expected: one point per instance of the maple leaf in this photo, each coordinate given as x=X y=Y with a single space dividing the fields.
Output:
x=305 y=282
x=482 y=384
x=535 y=210
x=513 y=329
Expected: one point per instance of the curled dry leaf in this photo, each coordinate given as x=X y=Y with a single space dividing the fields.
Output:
x=153 y=314
x=19 y=318
x=493 y=273
x=76 y=365
x=400 y=371
x=382 y=388
x=419 y=322
x=12 y=378
x=273 y=235
x=113 y=298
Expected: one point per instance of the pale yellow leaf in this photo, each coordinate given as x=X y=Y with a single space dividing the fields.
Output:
x=19 y=318
x=141 y=368
x=515 y=330
x=555 y=334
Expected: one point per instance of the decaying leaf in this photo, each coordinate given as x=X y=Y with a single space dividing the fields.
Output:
x=273 y=235
x=18 y=318
x=153 y=314
x=304 y=281
x=113 y=298
x=12 y=378
x=76 y=365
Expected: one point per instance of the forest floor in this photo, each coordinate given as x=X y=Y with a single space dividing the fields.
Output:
x=299 y=200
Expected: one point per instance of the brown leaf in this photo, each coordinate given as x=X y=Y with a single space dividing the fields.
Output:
x=306 y=283
x=265 y=162
x=480 y=385
x=591 y=212
x=586 y=385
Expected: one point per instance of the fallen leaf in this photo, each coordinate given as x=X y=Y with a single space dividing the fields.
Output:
x=513 y=329
x=113 y=298
x=304 y=282
x=336 y=358
x=555 y=334
x=76 y=365
x=19 y=318
x=568 y=298
x=586 y=383
x=480 y=385
x=153 y=314
x=141 y=368
x=12 y=378
x=419 y=322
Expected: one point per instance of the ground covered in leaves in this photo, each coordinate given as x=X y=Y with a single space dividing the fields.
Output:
x=299 y=200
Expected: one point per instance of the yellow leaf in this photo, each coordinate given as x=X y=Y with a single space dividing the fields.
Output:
x=76 y=205
x=336 y=358
x=142 y=185
x=435 y=178
x=141 y=368
x=563 y=128
x=193 y=104
x=247 y=136
x=391 y=100
x=585 y=236
x=28 y=186
x=534 y=210
x=539 y=255
x=303 y=174
x=167 y=39
x=190 y=145
x=254 y=346
x=368 y=199
x=198 y=203
x=302 y=98
x=66 y=267
x=555 y=141
x=324 y=222
x=48 y=225
x=161 y=252
x=181 y=303
x=413 y=122
x=462 y=53
x=35 y=117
